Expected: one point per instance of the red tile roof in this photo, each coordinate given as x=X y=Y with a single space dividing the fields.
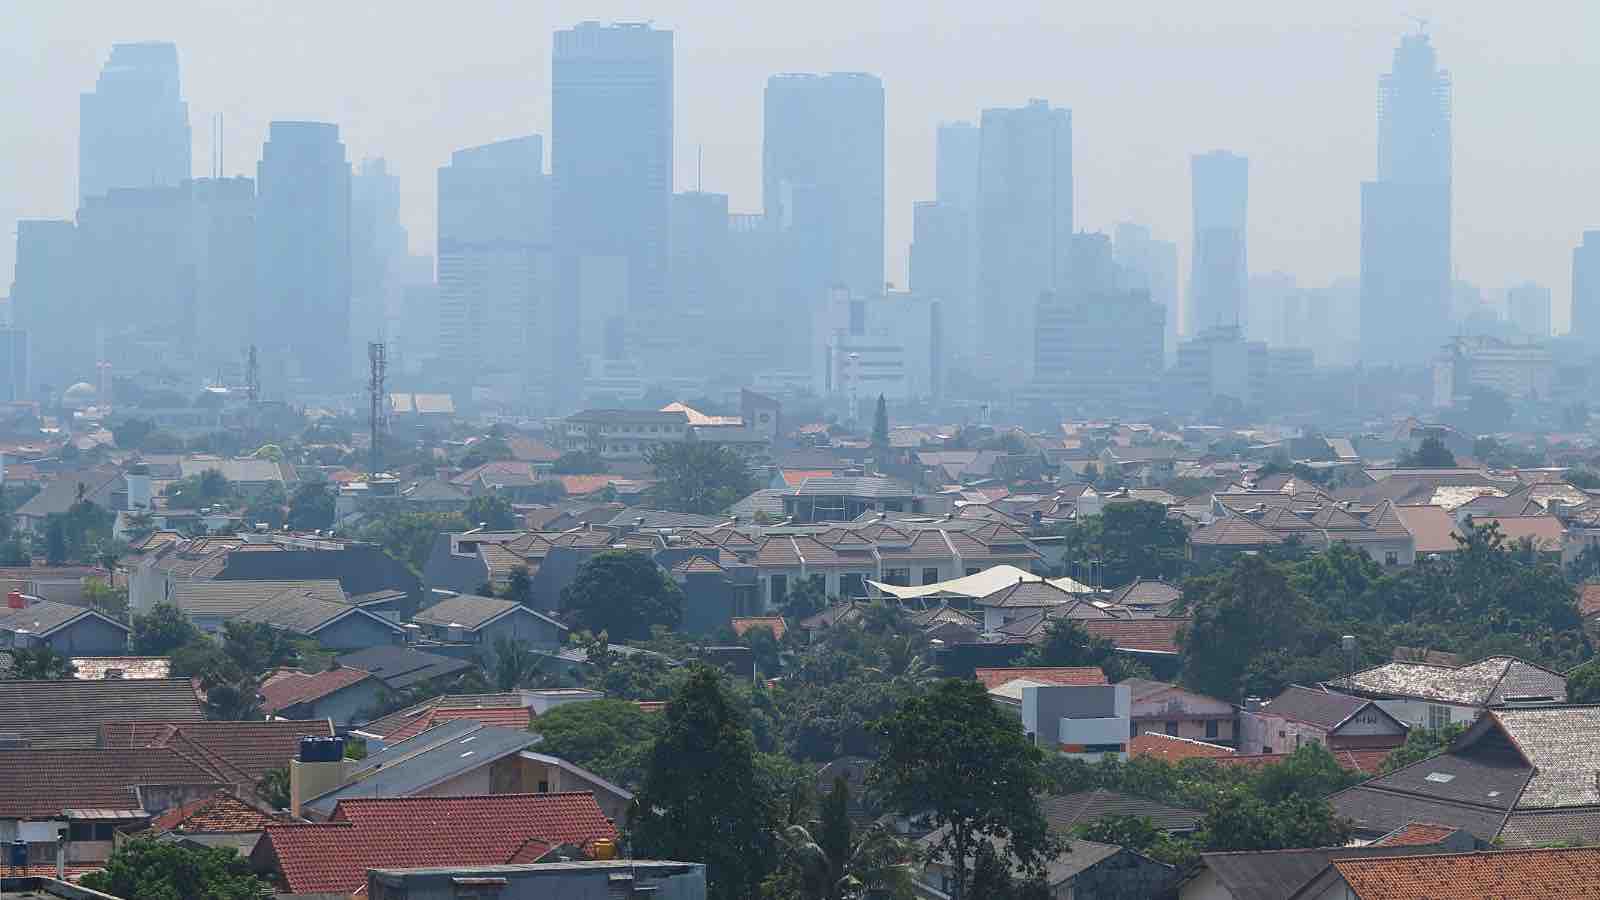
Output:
x=993 y=678
x=285 y=689
x=504 y=716
x=1175 y=749
x=1589 y=599
x=411 y=832
x=1367 y=762
x=580 y=485
x=1571 y=874
x=220 y=813
x=1416 y=834
x=1159 y=635
x=242 y=751
x=651 y=706
x=772 y=623
x=39 y=784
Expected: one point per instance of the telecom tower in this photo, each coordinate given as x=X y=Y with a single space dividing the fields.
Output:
x=378 y=361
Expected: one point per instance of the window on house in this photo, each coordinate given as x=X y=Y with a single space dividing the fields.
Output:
x=852 y=585
x=1172 y=729
x=780 y=589
x=901 y=577
x=1211 y=728
x=1133 y=729
x=1438 y=716
x=930 y=575
x=1391 y=558
x=973 y=570
x=544 y=787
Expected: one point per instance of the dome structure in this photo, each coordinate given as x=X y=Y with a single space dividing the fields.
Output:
x=80 y=395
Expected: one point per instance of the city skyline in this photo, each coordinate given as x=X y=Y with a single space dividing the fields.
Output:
x=1304 y=220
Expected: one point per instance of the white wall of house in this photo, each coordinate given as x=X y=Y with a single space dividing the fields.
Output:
x=1428 y=714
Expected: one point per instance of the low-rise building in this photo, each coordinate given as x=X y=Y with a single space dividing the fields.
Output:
x=485 y=621
x=1302 y=715
x=29 y=622
x=1433 y=696
x=1164 y=708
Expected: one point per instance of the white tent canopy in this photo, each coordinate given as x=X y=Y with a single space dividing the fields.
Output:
x=978 y=584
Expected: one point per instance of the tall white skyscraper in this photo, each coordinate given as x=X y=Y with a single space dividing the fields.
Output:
x=1024 y=228
x=133 y=128
x=1405 y=213
x=1219 y=269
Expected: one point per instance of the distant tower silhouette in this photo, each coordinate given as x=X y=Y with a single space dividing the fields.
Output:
x=378 y=414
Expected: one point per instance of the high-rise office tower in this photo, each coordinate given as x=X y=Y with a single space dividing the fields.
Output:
x=822 y=187
x=15 y=374
x=131 y=275
x=1586 y=288
x=378 y=249
x=133 y=128
x=956 y=152
x=1267 y=294
x=1218 y=267
x=1024 y=228
x=1528 y=309
x=611 y=157
x=1097 y=343
x=1151 y=265
x=944 y=248
x=219 y=249
x=699 y=258
x=1405 y=213
x=303 y=256
x=494 y=261
x=45 y=302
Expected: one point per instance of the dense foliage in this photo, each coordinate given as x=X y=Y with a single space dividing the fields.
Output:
x=610 y=737
x=151 y=870
x=622 y=593
x=1127 y=541
x=698 y=478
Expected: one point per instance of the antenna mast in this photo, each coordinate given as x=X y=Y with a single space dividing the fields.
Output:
x=252 y=377
x=378 y=361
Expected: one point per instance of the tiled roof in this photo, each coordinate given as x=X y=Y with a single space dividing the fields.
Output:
x=502 y=716
x=1174 y=749
x=1026 y=595
x=1567 y=874
x=467 y=610
x=303 y=611
x=41 y=617
x=415 y=832
x=1314 y=707
x=1367 y=762
x=1589 y=599
x=402 y=667
x=1560 y=743
x=1065 y=813
x=1072 y=675
x=227 y=599
x=1157 y=635
x=70 y=713
x=1234 y=531
x=242 y=751
x=1487 y=682
x=851 y=486
x=1415 y=834
x=222 y=812
x=697 y=564
x=1285 y=874
x=97 y=668
x=411 y=767
x=389 y=724
x=39 y=784
x=773 y=623
x=1144 y=592
x=286 y=689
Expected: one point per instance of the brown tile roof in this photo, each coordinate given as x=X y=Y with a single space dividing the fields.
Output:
x=39 y=784
x=773 y=623
x=1027 y=595
x=395 y=721
x=1367 y=762
x=1080 y=675
x=1432 y=527
x=1175 y=749
x=286 y=689
x=242 y=751
x=502 y=716
x=1234 y=531
x=1415 y=834
x=222 y=813
x=70 y=713
x=1155 y=635
x=1568 y=874
x=1589 y=599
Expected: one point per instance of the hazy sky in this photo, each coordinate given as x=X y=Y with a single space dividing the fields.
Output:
x=1293 y=85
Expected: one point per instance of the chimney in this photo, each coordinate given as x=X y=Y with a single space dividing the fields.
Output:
x=319 y=769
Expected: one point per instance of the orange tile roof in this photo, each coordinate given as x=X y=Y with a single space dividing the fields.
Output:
x=285 y=689
x=579 y=485
x=651 y=706
x=1080 y=675
x=220 y=813
x=1589 y=599
x=1159 y=635
x=1570 y=874
x=1175 y=749
x=1415 y=834
x=503 y=716
x=743 y=624
x=1367 y=762
x=417 y=832
x=793 y=477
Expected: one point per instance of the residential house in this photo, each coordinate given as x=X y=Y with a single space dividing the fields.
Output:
x=1082 y=870
x=510 y=710
x=1170 y=710
x=403 y=668
x=421 y=832
x=1433 y=696
x=660 y=879
x=1023 y=598
x=210 y=604
x=1289 y=874
x=1081 y=721
x=99 y=486
x=249 y=476
x=27 y=622
x=623 y=434
x=1066 y=812
x=224 y=820
x=69 y=714
x=1302 y=715
x=1570 y=872
x=1517 y=778
x=343 y=695
x=240 y=752
x=847 y=498
x=483 y=622
x=337 y=625
x=995 y=678
x=1147 y=597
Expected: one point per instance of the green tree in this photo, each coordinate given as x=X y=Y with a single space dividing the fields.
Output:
x=831 y=860
x=519 y=586
x=409 y=537
x=954 y=754
x=209 y=488
x=1311 y=771
x=1131 y=540
x=311 y=507
x=623 y=593
x=1139 y=834
x=610 y=737
x=162 y=630
x=515 y=666
x=55 y=542
x=266 y=508
x=1422 y=743
x=150 y=870
x=694 y=477
x=129 y=434
x=1430 y=454
x=40 y=664
x=273 y=787
x=579 y=462
x=700 y=799
x=880 y=425
x=806 y=597
x=1067 y=644
x=1240 y=615
x=1239 y=820
x=491 y=512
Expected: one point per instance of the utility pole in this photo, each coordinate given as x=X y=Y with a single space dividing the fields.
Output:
x=377 y=414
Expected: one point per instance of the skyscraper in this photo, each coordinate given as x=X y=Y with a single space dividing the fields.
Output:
x=45 y=302
x=131 y=277
x=378 y=249
x=1097 y=344
x=611 y=157
x=1405 y=213
x=956 y=152
x=1218 y=268
x=941 y=268
x=494 y=260
x=1586 y=288
x=303 y=260
x=1151 y=265
x=1024 y=228
x=700 y=258
x=1528 y=309
x=133 y=128
x=219 y=249
x=822 y=187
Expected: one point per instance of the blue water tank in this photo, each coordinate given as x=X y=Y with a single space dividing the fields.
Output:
x=321 y=749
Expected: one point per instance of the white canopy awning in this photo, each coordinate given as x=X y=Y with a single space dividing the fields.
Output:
x=978 y=584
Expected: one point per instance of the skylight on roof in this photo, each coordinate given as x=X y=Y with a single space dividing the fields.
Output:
x=1440 y=777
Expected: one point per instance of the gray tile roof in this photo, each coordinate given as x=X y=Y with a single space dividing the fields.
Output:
x=1487 y=682
x=1561 y=743
x=304 y=611
x=1027 y=595
x=851 y=486
x=1554 y=827
x=1315 y=707
x=1281 y=874
x=69 y=713
x=230 y=598
x=471 y=611
x=401 y=667
x=436 y=755
x=1066 y=812
x=45 y=616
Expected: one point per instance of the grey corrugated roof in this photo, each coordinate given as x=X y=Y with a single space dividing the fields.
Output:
x=852 y=486
x=42 y=617
x=465 y=610
x=1071 y=810
x=435 y=755
x=230 y=598
x=661 y=518
x=401 y=667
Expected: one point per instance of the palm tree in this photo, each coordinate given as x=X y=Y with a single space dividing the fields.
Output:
x=834 y=862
